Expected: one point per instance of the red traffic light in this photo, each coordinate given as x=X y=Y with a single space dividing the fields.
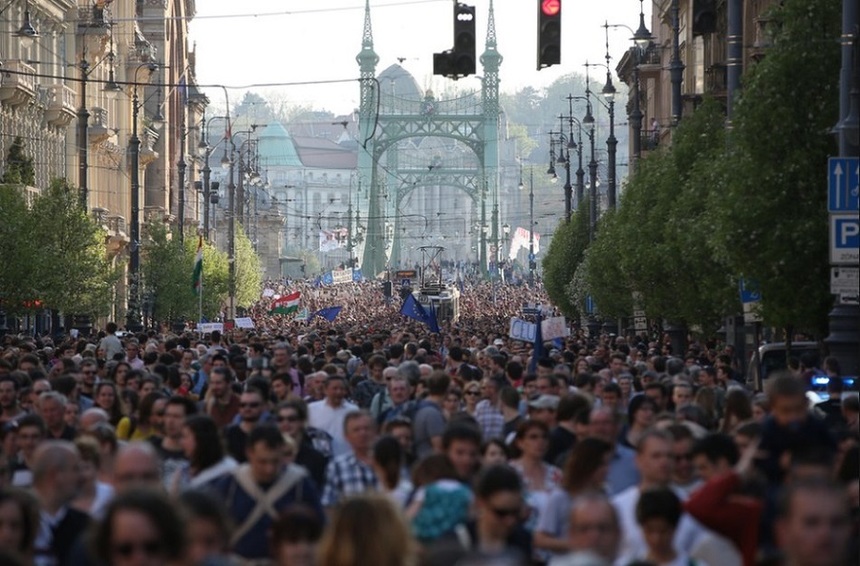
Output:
x=550 y=7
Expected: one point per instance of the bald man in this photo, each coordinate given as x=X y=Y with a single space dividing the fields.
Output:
x=137 y=465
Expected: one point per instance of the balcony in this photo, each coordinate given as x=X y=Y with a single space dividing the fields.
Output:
x=116 y=224
x=94 y=20
x=18 y=84
x=650 y=140
x=100 y=216
x=117 y=235
x=649 y=63
x=61 y=105
x=98 y=129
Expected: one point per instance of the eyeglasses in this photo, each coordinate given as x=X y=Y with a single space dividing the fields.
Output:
x=472 y=393
x=254 y=405
x=128 y=549
x=505 y=513
x=288 y=419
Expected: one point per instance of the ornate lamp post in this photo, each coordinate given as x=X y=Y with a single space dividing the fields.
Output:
x=588 y=123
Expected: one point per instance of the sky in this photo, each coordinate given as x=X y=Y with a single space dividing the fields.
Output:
x=305 y=46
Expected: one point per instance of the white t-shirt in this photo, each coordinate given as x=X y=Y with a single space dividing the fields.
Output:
x=323 y=416
x=633 y=543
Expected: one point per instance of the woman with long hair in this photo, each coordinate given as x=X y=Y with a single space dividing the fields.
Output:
x=202 y=445
x=452 y=403
x=140 y=528
x=388 y=462
x=19 y=517
x=640 y=417
x=585 y=471
x=150 y=411
x=738 y=410
x=358 y=530
x=118 y=373
x=106 y=397
x=539 y=478
x=471 y=396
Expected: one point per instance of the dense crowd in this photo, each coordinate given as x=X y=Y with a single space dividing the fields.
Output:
x=367 y=440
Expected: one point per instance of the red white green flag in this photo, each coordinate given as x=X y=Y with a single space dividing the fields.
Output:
x=286 y=304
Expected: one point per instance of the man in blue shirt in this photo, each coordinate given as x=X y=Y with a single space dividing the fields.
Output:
x=257 y=492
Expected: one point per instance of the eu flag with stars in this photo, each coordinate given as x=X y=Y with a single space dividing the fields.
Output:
x=328 y=313
x=413 y=309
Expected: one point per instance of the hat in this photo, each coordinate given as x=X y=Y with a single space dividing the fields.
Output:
x=498 y=342
x=545 y=402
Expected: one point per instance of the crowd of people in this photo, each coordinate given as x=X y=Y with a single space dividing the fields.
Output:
x=368 y=440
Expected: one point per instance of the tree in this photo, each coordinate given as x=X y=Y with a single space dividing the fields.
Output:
x=769 y=199
x=17 y=252
x=167 y=267
x=562 y=258
x=249 y=279
x=70 y=269
x=656 y=243
x=19 y=166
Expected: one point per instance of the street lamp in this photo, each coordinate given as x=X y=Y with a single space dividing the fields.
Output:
x=588 y=123
x=676 y=67
x=608 y=92
x=27 y=33
x=133 y=316
x=642 y=39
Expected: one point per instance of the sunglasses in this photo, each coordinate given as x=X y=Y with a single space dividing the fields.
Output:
x=249 y=405
x=472 y=393
x=128 y=549
x=289 y=419
x=505 y=513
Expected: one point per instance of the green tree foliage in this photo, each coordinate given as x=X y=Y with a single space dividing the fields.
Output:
x=656 y=243
x=562 y=258
x=70 y=268
x=600 y=274
x=769 y=206
x=18 y=249
x=168 y=266
x=249 y=279
x=19 y=166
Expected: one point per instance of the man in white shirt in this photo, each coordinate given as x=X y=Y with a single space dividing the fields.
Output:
x=328 y=413
x=654 y=460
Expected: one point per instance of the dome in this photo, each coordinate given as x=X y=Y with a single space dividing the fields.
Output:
x=399 y=80
x=276 y=147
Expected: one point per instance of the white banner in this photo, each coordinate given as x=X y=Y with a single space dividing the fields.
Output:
x=267 y=292
x=341 y=276
x=206 y=327
x=522 y=330
x=245 y=322
x=331 y=240
x=553 y=328
x=520 y=240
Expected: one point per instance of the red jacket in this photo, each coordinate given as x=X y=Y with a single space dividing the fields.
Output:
x=718 y=506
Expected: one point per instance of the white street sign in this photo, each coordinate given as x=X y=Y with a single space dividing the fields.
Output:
x=844 y=280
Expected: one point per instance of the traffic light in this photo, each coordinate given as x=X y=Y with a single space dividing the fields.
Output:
x=549 y=33
x=460 y=60
x=464 y=39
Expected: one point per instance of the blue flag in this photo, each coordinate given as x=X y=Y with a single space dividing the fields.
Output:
x=413 y=309
x=328 y=313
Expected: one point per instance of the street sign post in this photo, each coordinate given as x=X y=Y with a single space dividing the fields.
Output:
x=845 y=239
x=843 y=178
x=844 y=280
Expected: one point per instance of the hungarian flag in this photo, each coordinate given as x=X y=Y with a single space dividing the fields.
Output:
x=198 y=268
x=287 y=304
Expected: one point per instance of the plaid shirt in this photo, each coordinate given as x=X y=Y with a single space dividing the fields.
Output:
x=346 y=475
x=490 y=420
